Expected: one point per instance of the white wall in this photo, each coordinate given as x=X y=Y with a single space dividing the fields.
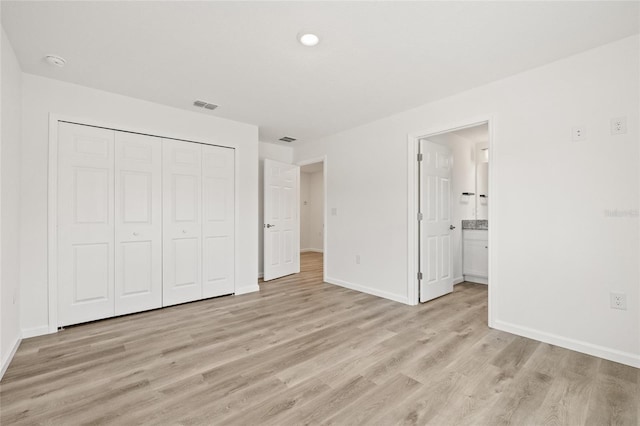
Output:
x=312 y=214
x=305 y=212
x=482 y=181
x=316 y=200
x=42 y=96
x=272 y=151
x=556 y=255
x=11 y=77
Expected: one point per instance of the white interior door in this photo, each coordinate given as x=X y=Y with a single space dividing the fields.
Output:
x=435 y=232
x=182 y=221
x=138 y=223
x=85 y=223
x=281 y=219
x=218 y=257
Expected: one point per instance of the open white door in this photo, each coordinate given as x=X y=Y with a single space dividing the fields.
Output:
x=281 y=219
x=435 y=227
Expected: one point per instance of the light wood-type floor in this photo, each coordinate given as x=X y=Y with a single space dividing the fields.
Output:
x=304 y=352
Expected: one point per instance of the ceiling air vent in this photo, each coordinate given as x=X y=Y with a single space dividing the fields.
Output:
x=287 y=139
x=205 y=105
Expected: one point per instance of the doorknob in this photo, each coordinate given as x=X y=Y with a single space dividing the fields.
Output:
x=451 y=227
x=267 y=225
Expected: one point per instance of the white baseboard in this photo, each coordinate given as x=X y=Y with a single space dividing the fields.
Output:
x=368 y=290
x=476 y=280
x=615 y=355
x=315 y=250
x=9 y=357
x=260 y=275
x=36 y=331
x=458 y=280
x=247 y=289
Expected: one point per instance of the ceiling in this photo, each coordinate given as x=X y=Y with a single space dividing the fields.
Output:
x=374 y=58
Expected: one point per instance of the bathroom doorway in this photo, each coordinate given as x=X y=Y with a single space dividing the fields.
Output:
x=451 y=204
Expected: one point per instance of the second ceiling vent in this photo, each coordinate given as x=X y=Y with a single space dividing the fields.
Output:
x=287 y=139
x=205 y=105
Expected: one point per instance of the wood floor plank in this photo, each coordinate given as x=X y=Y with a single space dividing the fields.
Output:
x=516 y=404
x=614 y=401
x=304 y=352
x=567 y=401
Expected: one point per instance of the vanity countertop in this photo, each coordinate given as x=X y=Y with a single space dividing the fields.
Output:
x=482 y=225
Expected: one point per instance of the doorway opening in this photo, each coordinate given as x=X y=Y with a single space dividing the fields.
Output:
x=312 y=216
x=450 y=200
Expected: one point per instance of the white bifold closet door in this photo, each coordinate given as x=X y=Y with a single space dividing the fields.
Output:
x=143 y=222
x=198 y=221
x=138 y=223
x=218 y=202
x=182 y=217
x=85 y=223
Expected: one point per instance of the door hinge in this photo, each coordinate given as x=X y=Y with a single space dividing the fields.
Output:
x=420 y=216
x=419 y=157
x=419 y=275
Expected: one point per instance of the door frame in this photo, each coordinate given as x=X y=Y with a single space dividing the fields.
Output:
x=52 y=198
x=413 y=240
x=325 y=249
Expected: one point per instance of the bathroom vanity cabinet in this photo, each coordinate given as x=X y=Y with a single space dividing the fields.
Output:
x=475 y=255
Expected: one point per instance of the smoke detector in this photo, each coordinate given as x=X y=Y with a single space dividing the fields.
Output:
x=55 y=60
x=287 y=139
x=205 y=105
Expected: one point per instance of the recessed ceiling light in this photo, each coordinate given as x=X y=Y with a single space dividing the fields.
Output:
x=55 y=60
x=308 y=39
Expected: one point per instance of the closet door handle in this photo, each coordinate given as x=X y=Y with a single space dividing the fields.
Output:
x=184 y=231
x=135 y=234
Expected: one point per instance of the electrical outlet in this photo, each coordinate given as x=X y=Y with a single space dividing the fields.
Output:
x=334 y=211
x=619 y=126
x=579 y=133
x=618 y=301
x=357 y=259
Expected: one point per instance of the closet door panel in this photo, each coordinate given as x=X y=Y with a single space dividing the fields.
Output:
x=182 y=222
x=218 y=220
x=85 y=223
x=138 y=230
